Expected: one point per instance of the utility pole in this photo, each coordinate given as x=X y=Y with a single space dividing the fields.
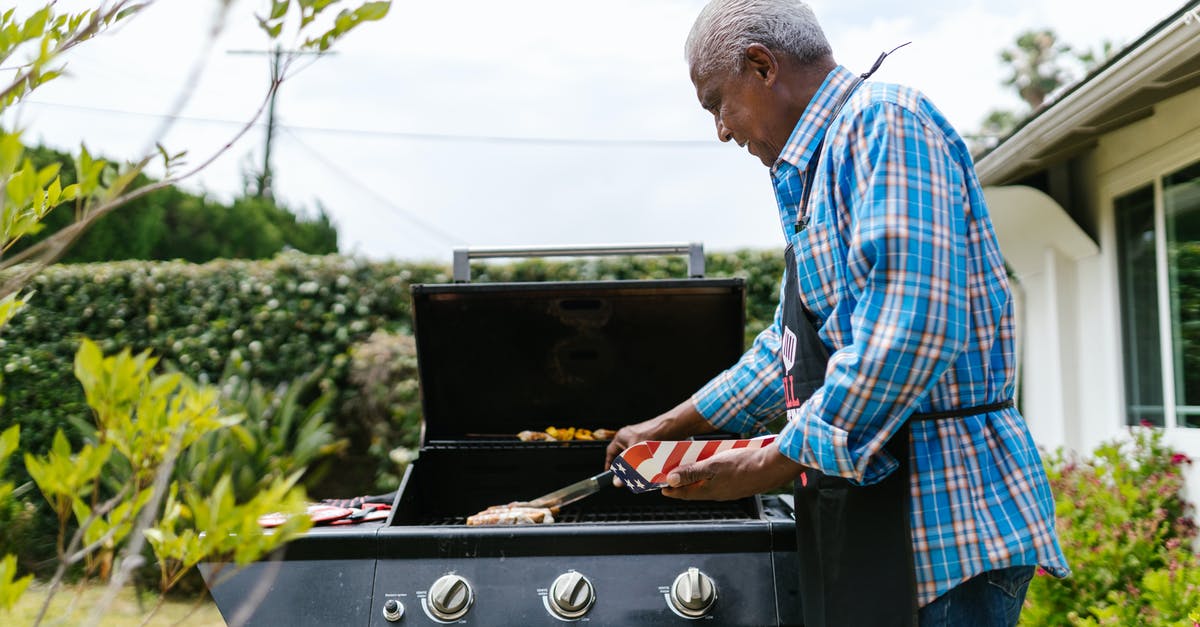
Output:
x=263 y=178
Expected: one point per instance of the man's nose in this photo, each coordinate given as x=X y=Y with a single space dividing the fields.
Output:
x=723 y=133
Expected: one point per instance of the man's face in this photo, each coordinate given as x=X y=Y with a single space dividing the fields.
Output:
x=746 y=110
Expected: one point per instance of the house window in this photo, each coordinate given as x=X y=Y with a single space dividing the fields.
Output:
x=1158 y=250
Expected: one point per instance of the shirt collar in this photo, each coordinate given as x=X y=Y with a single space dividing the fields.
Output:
x=810 y=130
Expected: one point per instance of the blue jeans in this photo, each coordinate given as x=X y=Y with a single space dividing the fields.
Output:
x=991 y=599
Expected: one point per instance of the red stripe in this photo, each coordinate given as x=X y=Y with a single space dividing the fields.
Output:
x=740 y=443
x=676 y=455
x=637 y=454
x=710 y=448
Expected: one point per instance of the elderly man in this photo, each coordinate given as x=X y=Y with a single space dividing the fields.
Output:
x=920 y=494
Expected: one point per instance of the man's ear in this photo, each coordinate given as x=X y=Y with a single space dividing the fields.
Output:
x=762 y=62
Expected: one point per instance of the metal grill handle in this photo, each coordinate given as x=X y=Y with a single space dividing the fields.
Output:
x=693 y=250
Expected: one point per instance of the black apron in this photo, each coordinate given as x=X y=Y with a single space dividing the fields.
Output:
x=854 y=542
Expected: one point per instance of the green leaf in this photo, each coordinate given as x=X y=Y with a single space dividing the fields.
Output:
x=372 y=11
x=10 y=305
x=278 y=9
x=47 y=174
x=11 y=588
x=11 y=150
x=60 y=447
x=81 y=509
x=53 y=195
x=272 y=30
x=8 y=441
x=130 y=11
x=36 y=24
x=70 y=192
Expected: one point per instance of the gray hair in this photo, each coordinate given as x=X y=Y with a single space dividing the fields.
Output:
x=725 y=28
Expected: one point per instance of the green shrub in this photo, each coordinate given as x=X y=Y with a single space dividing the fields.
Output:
x=170 y=223
x=281 y=432
x=1127 y=533
x=286 y=317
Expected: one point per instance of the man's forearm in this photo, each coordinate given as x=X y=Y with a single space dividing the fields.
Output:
x=680 y=422
x=684 y=421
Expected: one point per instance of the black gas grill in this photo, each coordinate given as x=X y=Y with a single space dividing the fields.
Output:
x=496 y=359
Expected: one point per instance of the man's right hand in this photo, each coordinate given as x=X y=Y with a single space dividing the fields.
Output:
x=679 y=423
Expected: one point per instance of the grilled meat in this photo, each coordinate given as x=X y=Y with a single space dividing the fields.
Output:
x=517 y=513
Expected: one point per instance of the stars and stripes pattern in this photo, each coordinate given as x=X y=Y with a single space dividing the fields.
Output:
x=644 y=466
x=902 y=270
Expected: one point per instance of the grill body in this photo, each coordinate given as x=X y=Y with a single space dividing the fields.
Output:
x=500 y=358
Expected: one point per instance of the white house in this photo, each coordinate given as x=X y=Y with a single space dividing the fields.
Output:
x=1096 y=201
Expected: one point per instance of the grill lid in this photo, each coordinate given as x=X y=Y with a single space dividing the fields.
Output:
x=501 y=358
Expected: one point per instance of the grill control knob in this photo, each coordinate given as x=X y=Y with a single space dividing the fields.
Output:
x=393 y=610
x=693 y=593
x=450 y=597
x=571 y=595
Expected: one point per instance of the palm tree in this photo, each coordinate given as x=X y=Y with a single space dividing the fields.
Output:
x=1036 y=63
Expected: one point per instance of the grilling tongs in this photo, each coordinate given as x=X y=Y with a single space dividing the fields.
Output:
x=575 y=491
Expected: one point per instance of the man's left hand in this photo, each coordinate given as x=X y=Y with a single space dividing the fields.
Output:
x=732 y=474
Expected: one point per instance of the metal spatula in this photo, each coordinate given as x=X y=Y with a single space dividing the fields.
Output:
x=575 y=491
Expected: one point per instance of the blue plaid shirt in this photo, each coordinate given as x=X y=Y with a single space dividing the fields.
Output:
x=901 y=267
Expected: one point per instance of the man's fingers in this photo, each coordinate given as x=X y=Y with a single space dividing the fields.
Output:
x=690 y=473
x=614 y=449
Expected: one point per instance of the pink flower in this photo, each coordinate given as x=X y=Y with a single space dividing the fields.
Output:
x=1180 y=458
x=1147 y=423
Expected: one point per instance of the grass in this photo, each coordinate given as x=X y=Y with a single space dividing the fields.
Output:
x=125 y=612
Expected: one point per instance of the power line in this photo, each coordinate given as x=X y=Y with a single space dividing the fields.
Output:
x=384 y=200
x=433 y=137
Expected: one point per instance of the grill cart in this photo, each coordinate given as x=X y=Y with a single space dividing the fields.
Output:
x=497 y=359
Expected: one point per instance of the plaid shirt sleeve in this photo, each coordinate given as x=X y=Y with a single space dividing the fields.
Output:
x=750 y=393
x=895 y=203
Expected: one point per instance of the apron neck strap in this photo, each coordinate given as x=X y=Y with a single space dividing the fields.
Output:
x=879 y=61
x=810 y=173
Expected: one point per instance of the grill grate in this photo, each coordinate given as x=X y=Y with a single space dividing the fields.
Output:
x=633 y=514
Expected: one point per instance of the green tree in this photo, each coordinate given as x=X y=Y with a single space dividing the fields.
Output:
x=170 y=223
x=143 y=420
x=1038 y=65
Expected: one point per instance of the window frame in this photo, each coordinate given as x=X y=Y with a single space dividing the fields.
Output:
x=1152 y=174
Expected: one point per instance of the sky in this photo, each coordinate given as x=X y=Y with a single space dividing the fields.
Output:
x=523 y=122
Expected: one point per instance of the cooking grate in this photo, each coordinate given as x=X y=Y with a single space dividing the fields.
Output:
x=669 y=512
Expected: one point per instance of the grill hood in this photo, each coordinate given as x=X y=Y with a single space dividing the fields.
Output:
x=501 y=358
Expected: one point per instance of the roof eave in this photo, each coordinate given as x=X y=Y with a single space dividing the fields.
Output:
x=1174 y=38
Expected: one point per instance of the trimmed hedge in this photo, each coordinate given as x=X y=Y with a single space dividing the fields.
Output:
x=285 y=317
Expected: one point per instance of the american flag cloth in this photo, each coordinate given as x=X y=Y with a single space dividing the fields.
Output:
x=902 y=271
x=644 y=466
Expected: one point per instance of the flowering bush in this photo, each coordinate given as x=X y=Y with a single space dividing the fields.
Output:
x=282 y=318
x=384 y=399
x=1127 y=533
